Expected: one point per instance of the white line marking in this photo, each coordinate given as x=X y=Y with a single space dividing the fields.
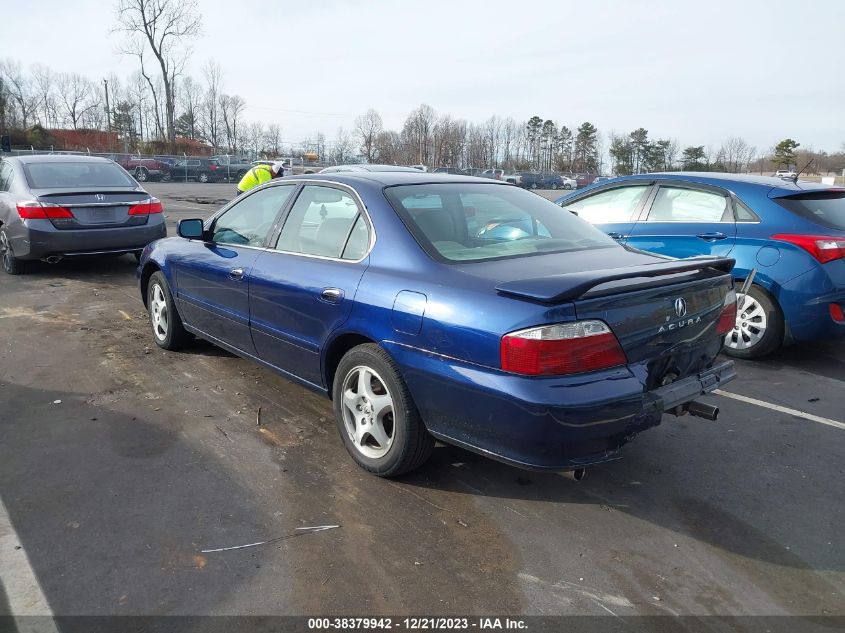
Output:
x=777 y=407
x=19 y=582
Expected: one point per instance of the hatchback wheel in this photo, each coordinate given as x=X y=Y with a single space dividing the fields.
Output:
x=203 y=177
x=375 y=415
x=168 y=331
x=11 y=264
x=759 y=326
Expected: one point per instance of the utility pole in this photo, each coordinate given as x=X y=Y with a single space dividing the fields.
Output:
x=108 y=110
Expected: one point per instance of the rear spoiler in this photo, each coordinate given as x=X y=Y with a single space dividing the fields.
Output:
x=571 y=286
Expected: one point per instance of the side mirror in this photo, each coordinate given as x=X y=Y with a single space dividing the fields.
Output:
x=190 y=229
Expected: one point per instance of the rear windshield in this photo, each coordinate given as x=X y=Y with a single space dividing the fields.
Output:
x=80 y=175
x=465 y=222
x=825 y=208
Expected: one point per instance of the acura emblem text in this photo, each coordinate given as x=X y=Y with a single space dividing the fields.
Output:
x=680 y=307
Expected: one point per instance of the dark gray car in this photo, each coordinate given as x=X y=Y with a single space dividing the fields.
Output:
x=53 y=207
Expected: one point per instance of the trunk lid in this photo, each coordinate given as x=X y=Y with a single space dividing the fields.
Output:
x=663 y=312
x=101 y=209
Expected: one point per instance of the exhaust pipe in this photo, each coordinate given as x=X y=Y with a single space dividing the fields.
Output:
x=52 y=259
x=703 y=410
x=575 y=475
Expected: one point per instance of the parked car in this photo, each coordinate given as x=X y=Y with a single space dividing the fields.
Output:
x=600 y=179
x=583 y=180
x=568 y=183
x=337 y=169
x=143 y=169
x=430 y=307
x=785 y=173
x=550 y=180
x=234 y=167
x=52 y=207
x=513 y=177
x=792 y=234
x=473 y=171
x=199 y=169
x=448 y=170
x=495 y=174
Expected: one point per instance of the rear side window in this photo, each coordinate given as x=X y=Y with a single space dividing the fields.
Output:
x=674 y=204
x=615 y=205
x=325 y=222
x=825 y=208
x=5 y=176
x=82 y=175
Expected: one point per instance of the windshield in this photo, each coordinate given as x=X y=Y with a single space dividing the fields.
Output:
x=825 y=208
x=81 y=175
x=464 y=222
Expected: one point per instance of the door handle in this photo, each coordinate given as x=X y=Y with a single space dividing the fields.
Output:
x=331 y=295
x=712 y=237
x=236 y=274
x=616 y=236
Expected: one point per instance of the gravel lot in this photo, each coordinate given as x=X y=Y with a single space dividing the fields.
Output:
x=122 y=462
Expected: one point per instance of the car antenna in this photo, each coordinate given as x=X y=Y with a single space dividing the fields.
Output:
x=801 y=171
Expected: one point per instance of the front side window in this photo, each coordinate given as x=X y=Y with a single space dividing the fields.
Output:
x=249 y=221
x=326 y=222
x=611 y=206
x=674 y=204
x=464 y=222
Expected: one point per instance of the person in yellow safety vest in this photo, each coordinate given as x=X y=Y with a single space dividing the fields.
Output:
x=260 y=174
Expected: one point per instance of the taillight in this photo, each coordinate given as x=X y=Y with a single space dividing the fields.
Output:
x=824 y=248
x=836 y=312
x=153 y=205
x=564 y=348
x=727 y=318
x=213 y=167
x=34 y=210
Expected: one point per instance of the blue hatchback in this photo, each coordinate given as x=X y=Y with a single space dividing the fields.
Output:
x=792 y=233
x=435 y=306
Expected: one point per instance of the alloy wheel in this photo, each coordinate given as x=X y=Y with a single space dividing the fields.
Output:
x=750 y=326
x=368 y=412
x=159 y=314
x=6 y=252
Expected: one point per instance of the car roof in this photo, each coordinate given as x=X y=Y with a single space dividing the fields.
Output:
x=784 y=187
x=391 y=178
x=59 y=158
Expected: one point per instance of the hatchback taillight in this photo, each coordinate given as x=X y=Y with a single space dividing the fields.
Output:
x=34 y=210
x=563 y=348
x=153 y=205
x=824 y=248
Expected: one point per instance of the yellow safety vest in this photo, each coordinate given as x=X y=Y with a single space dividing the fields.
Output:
x=256 y=176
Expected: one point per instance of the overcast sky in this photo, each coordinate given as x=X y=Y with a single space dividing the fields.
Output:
x=698 y=71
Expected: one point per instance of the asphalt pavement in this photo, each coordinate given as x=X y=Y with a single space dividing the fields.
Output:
x=121 y=465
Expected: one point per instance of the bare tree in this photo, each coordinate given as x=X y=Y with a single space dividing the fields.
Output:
x=76 y=93
x=343 y=147
x=190 y=102
x=20 y=90
x=210 y=109
x=231 y=109
x=164 y=26
x=367 y=127
x=44 y=84
x=273 y=141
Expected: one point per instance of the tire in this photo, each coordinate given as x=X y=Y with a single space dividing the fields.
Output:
x=166 y=177
x=203 y=177
x=141 y=174
x=393 y=440
x=166 y=324
x=567 y=186
x=759 y=326
x=533 y=185
x=11 y=264
x=554 y=185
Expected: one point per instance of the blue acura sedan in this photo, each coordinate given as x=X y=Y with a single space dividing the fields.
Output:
x=791 y=232
x=436 y=306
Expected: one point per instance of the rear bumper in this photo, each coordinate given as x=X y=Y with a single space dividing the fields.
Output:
x=805 y=301
x=557 y=423
x=41 y=239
